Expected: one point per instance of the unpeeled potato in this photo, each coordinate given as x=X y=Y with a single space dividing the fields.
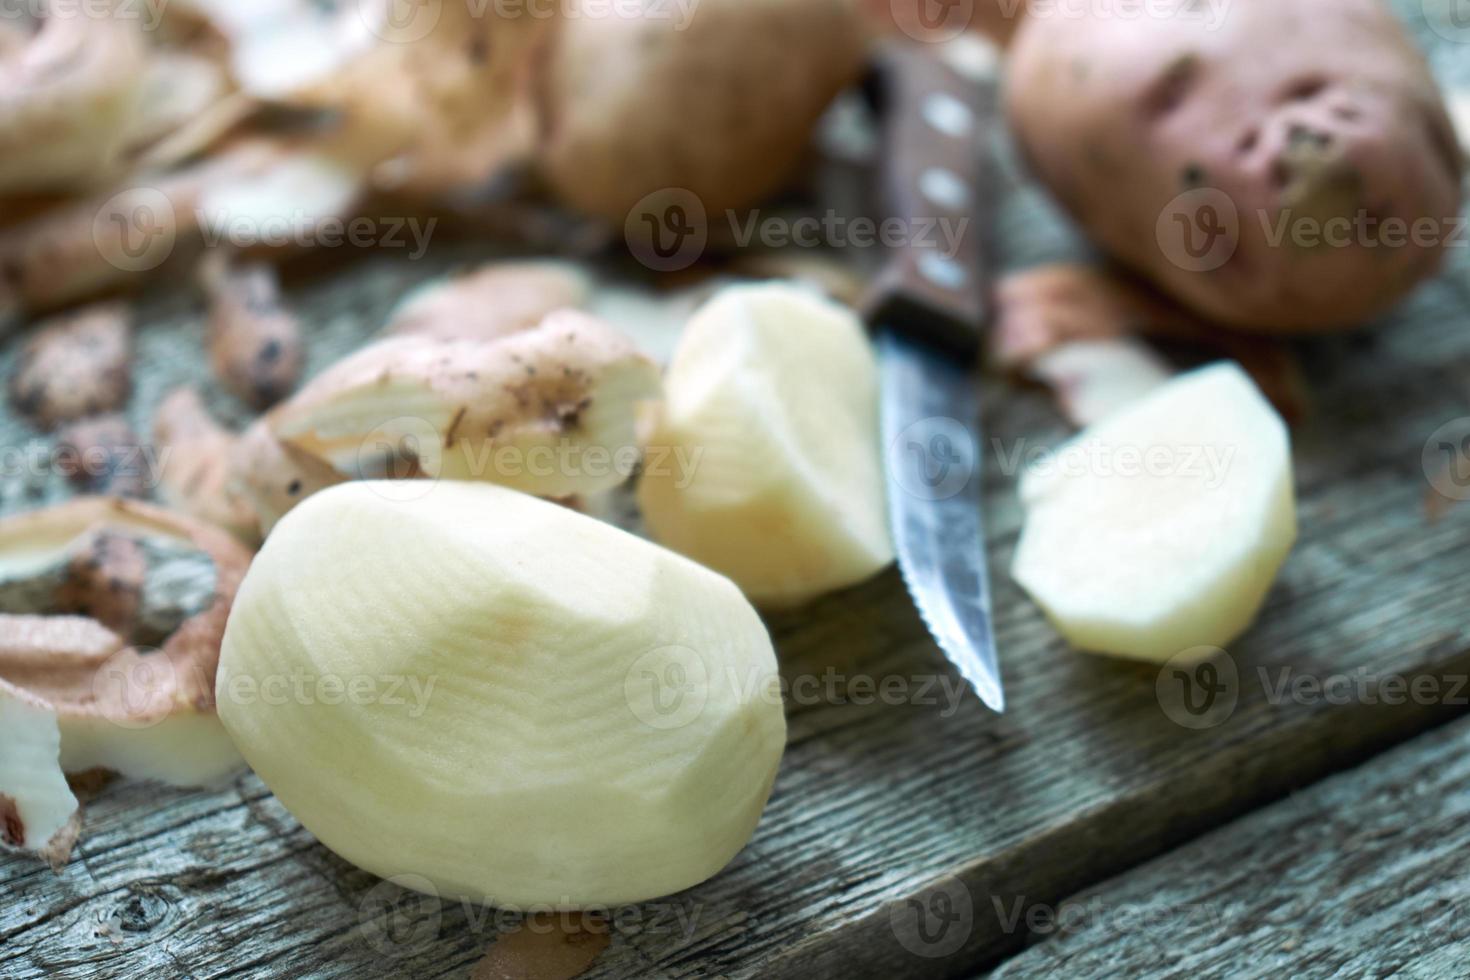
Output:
x=721 y=106
x=1264 y=163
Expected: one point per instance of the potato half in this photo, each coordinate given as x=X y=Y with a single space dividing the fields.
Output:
x=1162 y=528
x=764 y=463
x=517 y=703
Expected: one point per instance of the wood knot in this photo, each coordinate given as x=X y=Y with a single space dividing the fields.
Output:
x=140 y=910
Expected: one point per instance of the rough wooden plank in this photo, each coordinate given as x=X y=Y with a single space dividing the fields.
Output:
x=877 y=802
x=1365 y=874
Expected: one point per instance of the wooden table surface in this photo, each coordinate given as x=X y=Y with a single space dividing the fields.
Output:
x=1094 y=830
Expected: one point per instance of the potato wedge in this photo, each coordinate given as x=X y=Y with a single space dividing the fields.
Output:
x=764 y=461
x=1161 y=528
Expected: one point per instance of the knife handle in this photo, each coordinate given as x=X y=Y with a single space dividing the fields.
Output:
x=932 y=181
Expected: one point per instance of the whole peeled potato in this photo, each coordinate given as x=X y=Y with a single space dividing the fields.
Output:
x=717 y=98
x=1265 y=162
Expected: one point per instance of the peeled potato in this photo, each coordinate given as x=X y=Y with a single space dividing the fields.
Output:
x=547 y=710
x=764 y=463
x=1161 y=528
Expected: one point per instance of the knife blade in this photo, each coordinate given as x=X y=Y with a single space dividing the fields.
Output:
x=927 y=308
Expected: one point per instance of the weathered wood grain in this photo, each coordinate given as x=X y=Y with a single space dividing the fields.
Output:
x=877 y=804
x=1085 y=777
x=1364 y=875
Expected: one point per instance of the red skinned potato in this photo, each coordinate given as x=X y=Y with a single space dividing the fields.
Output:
x=721 y=105
x=1264 y=163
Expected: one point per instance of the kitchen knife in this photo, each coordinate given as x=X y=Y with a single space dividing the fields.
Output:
x=927 y=308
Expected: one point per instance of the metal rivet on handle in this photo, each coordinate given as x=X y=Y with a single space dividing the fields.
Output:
x=948 y=114
x=942 y=271
x=944 y=188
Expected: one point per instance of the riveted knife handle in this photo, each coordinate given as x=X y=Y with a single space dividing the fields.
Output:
x=931 y=182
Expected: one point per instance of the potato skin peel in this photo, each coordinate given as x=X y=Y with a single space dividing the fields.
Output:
x=67 y=97
x=537 y=769
x=255 y=344
x=38 y=812
x=76 y=365
x=121 y=706
x=196 y=451
x=492 y=301
x=497 y=409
